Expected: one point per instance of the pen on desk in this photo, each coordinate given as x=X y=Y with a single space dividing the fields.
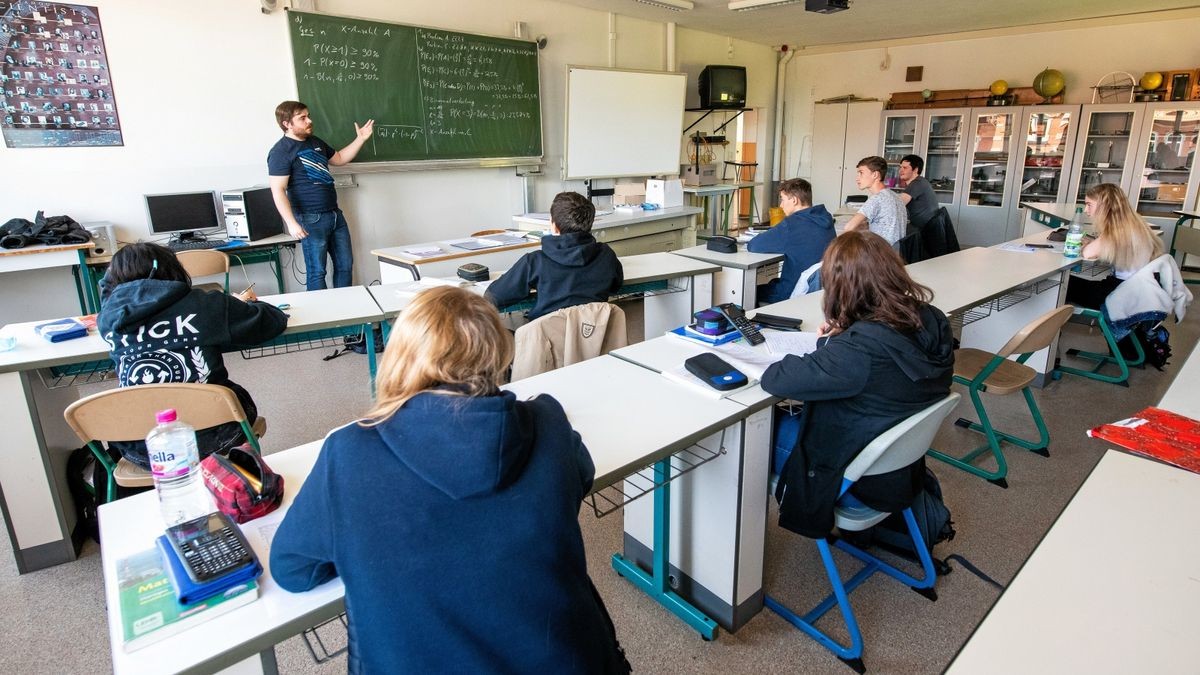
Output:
x=248 y=288
x=1040 y=245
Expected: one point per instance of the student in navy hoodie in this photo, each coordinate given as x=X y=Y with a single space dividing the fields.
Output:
x=160 y=329
x=451 y=512
x=571 y=269
x=801 y=237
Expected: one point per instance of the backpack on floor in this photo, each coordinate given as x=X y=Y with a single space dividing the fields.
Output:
x=1156 y=343
x=933 y=522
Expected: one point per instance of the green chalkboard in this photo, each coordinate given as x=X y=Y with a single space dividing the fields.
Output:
x=435 y=95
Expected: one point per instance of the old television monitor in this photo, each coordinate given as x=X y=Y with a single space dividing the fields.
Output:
x=183 y=214
x=723 y=87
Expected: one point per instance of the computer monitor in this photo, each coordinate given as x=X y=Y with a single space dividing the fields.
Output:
x=182 y=213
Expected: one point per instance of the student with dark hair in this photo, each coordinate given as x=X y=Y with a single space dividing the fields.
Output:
x=918 y=196
x=801 y=238
x=884 y=354
x=302 y=187
x=451 y=512
x=883 y=213
x=161 y=330
x=571 y=269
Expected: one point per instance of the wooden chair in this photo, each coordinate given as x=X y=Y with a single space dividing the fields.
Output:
x=982 y=371
x=1187 y=242
x=127 y=414
x=203 y=263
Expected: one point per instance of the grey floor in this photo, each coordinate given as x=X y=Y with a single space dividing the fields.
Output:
x=54 y=620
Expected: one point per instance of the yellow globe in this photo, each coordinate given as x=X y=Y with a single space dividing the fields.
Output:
x=999 y=88
x=1151 y=81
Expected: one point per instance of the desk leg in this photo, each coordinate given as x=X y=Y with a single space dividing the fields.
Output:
x=90 y=292
x=657 y=586
x=277 y=263
x=369 y=332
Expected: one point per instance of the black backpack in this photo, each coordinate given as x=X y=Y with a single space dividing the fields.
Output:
x=1156 y=343
x=933 y=521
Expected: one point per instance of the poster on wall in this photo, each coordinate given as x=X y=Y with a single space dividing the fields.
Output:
x=56 y=86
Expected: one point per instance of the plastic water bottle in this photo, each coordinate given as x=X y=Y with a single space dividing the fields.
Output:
x=175 y=464
x=1074 y=243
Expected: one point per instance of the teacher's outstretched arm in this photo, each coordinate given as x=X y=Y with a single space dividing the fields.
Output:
x=346 y=154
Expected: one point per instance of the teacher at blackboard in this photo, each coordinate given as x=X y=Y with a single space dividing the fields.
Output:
x=303 y=190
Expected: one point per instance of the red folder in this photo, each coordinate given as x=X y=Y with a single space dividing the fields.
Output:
x=1157 y=433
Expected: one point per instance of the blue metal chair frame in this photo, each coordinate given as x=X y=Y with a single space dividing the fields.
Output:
x=852 y=654
x=910 y=439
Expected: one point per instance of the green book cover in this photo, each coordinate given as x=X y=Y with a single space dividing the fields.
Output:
x=149 y=611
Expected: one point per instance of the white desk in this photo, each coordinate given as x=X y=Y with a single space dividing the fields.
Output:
x=40 y=256
x=1183 y=396
x=660 y=230
x=397 y=266
x=711 y=521
x=666 y=352
x=37 y=503
x=688 y=288
x=1112 y=588
x=130 y=525
x=740 y=274
x=724 y=193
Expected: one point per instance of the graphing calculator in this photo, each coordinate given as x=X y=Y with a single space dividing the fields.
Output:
x=210 y=546
x=738 y=318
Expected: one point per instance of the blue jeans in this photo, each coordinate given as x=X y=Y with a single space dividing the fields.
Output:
x=327 y=234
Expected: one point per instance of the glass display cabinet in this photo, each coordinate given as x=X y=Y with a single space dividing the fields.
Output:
x=945 y=154
x=1049 y=139
x=1166 y=176
x=1105 y=152
x=901 y=136
x=983 y=219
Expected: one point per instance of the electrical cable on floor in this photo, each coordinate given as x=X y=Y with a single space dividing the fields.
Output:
x=970 y=567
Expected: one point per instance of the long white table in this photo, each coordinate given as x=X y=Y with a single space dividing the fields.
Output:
x=686 y=288
x=660 y=230
x=720 y=558
x=1114 y=587
x=740 y=274
x=40 y=256
x=1183 y=396
x=36 y=385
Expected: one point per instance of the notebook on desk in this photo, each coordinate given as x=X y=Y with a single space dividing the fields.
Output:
x=475 y=244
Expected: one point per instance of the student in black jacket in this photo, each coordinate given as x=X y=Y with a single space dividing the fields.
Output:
x=160 y=330
x=571 y=269
x=885 y=353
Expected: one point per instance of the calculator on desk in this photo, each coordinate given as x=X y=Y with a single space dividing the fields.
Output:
x=210 y=547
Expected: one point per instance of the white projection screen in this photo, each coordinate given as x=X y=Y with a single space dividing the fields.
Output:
x=623 y=123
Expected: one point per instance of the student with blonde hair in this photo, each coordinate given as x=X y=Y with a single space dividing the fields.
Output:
x=1123 y=240
x=450 y=512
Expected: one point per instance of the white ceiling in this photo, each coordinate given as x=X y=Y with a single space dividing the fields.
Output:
x=873 y=20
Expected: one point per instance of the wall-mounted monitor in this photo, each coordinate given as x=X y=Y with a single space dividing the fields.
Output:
x=722 y=87
x=182 y=213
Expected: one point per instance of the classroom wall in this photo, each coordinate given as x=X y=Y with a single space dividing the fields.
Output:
x=196 y=85
x=1084 y=54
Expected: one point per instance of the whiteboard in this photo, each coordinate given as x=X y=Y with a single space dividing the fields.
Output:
x=623 y=123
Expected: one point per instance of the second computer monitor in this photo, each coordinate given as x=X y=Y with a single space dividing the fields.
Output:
x=182 y=213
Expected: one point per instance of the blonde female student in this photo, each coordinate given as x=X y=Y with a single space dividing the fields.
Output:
x=1123 y=240
x=450 y=512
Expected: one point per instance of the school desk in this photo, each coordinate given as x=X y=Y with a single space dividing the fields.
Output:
x=71 y=256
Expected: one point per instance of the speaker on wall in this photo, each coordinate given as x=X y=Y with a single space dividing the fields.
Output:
x=103 y=237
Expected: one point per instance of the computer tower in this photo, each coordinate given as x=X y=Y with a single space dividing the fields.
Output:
x=250 y=214
x=103 y=237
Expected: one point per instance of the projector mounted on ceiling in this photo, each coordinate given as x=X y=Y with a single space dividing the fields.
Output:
x=826 y=6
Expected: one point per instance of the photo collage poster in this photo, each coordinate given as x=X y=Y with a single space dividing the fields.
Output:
x=56 y=86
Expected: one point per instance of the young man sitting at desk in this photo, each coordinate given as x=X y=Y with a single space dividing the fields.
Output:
x=884 y=212
x=571 y=269
x=801 y=237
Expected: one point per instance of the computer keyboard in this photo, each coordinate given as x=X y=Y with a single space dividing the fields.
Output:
x=194 y=244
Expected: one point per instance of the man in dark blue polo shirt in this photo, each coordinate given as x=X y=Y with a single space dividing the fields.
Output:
x=303 y=190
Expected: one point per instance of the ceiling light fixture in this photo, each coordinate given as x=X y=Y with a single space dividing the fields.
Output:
x=751 y=5
x=673 y=5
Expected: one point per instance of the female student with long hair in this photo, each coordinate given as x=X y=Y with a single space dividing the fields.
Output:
x=885 y=353
x=160 y=329
x=450 y=512
x=1123 y=240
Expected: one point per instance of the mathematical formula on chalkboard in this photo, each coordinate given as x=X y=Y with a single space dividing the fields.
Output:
x=434 y=94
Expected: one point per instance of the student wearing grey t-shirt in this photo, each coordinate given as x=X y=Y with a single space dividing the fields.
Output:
x=884 y=212
x=918 y=195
